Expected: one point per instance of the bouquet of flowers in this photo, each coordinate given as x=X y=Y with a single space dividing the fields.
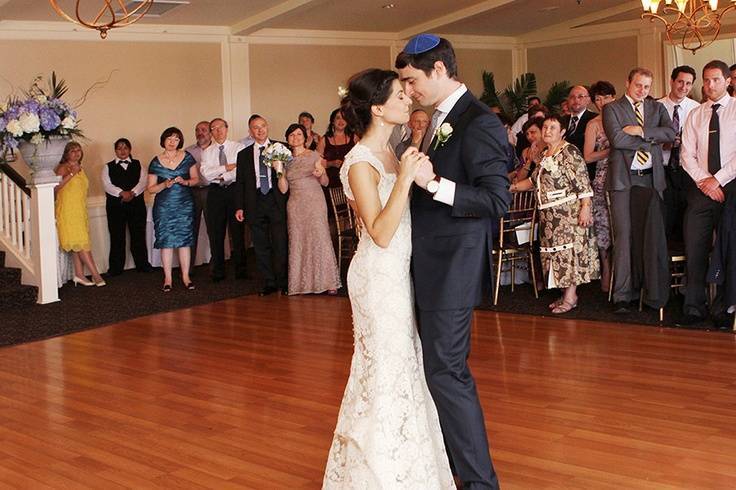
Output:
x=37 y=116
x=277 y=152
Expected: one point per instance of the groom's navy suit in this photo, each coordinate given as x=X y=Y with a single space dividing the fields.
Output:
x=451 y=264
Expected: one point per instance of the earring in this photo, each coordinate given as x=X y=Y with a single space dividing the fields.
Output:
x=381 y=123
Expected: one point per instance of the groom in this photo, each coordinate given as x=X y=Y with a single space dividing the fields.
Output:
x=451 y=241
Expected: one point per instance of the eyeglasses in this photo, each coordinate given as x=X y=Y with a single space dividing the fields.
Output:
x=578 y=96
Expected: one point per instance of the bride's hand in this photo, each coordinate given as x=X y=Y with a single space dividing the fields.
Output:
x=411 y=161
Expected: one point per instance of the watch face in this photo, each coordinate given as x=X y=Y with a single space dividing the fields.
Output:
x=433 y=186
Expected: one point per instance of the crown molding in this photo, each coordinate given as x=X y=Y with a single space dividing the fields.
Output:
x=62 y=30
x=453 y=17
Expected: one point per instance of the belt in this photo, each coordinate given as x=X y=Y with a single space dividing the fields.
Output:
x=219 y=186
x=645 y=171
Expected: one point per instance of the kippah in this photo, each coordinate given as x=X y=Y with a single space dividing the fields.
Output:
x=421 y=43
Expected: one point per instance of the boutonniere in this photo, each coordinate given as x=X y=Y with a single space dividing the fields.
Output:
x=442 y=134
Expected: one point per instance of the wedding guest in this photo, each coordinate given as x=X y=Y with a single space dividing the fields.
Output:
x=418 y=124
x=532 y=155
x=708 y=155
x=337 y=142
x=201 y=190
x=577 y=101
x=124 y=181
x=262 y=205
x=567 y=245
x=219 y=168
x=72 y=222
x=732 y=83
x=595 y=151
x=518 y=126
x=312 y=263
x=534 y=112
x=636 y=128
x=313 y=139
x=171 y=174
x=678 y=106
x=564 y=108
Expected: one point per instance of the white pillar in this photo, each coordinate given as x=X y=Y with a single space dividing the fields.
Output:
x=44 y=245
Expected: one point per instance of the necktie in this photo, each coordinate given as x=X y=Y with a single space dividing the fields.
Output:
x=223 y=157
x=265 y=184
x=714 y=142
x=573 y=125
x=675 y=153
x=430 y=131
x=642 y=157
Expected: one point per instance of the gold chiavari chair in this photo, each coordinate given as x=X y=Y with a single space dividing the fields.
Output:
x=347 y=237
x=521 y=218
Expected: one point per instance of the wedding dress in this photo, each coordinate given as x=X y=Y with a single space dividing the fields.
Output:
x=388 y=434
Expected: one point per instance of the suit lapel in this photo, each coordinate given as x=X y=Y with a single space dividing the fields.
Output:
x=457 y=110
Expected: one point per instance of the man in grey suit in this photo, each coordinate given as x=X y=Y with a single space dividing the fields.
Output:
x=637 y=127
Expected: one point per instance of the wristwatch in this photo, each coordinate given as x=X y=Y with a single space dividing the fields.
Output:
x=434 y=185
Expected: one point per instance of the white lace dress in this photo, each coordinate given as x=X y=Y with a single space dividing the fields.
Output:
x=388 y=434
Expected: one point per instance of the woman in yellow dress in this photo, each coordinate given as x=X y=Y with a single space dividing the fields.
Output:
x=72 y=223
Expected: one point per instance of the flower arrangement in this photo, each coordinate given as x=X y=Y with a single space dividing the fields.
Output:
x=37 y=116
x=277 y=152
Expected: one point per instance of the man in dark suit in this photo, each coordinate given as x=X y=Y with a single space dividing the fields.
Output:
x=451 y=241
x=263 y=206
x=577 y=103
x=637 y=127
x=124 y=181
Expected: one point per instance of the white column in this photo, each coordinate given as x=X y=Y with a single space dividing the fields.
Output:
x=518 y=61
x=44 y=245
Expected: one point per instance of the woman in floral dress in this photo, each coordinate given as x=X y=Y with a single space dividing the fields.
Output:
x=567 y=244
x=596 y=150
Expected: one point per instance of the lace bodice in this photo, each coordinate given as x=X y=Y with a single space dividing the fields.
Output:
x=401 y=242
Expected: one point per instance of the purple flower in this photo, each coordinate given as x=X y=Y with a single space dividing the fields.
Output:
x=31 y=105
x=49 y=119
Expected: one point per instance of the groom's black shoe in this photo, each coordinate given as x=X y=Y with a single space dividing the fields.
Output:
x=267 y=290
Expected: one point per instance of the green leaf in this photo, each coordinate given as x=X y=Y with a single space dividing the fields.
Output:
x=58 y=87
x=517 y=94
x=556 y=95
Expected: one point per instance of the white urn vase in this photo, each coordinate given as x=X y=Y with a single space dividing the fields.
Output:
x=43 y=158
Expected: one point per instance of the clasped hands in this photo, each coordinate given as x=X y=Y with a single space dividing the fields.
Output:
x=418 y=163
x=712 y=188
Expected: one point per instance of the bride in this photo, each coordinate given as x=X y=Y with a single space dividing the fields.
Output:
x=388 y=434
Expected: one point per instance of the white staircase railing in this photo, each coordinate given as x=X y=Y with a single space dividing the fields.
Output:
x=28 y=234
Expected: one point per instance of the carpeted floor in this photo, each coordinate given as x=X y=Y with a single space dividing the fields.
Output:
x=592 y=305
x=127 y=296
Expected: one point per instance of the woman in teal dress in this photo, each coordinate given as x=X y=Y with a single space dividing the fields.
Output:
x=170 y=176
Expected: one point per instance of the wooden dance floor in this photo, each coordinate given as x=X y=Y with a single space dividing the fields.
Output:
x=244 y=394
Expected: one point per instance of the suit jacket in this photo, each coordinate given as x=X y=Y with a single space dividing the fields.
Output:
x=577 y=137
x=451 y=245
x=657 y=130
x=245 y=184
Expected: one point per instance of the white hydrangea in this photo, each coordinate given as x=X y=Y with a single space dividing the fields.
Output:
x=69 y=123
x=41 y=98
x=29 y=122
x=14 y=128
x=37 y=139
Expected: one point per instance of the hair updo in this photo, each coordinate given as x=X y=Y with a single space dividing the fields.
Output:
x=365 y=89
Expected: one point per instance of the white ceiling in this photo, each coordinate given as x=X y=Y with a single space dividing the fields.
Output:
x=472 y=17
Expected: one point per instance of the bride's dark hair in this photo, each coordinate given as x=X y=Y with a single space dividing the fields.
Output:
x=365 y=89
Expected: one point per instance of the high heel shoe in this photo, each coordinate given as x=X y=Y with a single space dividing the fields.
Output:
x=82 y=281
x=100 y=283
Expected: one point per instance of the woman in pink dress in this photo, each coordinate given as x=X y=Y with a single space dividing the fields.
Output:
x=312 y=263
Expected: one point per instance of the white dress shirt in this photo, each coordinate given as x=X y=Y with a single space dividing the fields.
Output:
x=210 y=165
x=196 y=151
x=694 y=149
x=635 y=165
x=257 y=163
x=114 y=190
x=686 y=105
x=446 y=191
x=516 y=127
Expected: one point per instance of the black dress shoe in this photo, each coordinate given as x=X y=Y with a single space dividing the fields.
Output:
x=267 y=290
x=113 y=273
x=621 y=308
x=285 y=291
x=723 y=321
x=145 y=269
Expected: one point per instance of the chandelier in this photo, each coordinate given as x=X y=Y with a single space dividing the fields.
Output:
x=697 y=22
x=109 y=16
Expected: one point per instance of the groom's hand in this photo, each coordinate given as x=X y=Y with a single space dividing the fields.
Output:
x=424 y=174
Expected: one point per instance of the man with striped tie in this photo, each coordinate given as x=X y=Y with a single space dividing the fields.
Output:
x=637 y=127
